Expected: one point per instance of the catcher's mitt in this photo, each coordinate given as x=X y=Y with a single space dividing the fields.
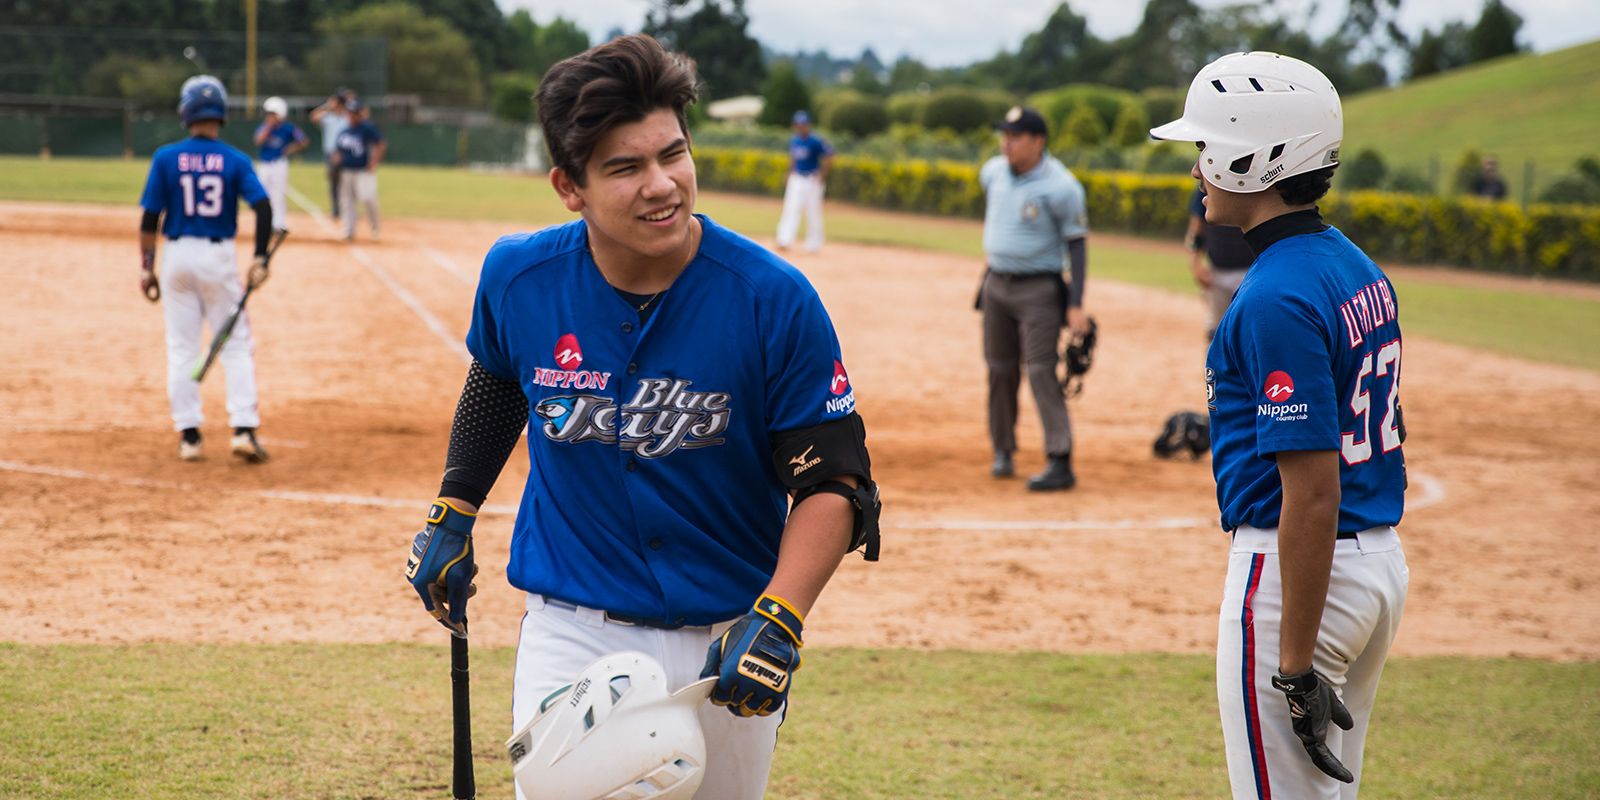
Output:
x=1078 y=358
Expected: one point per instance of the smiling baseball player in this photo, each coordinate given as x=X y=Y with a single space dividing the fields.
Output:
x=193 y=193
x=1304 y=379
x=697 y=468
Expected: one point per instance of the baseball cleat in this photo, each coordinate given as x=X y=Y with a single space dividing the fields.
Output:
x=246 y=447
x=1057 y=475
x=189 y=445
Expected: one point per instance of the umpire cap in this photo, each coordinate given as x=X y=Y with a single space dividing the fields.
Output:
x=1021 y=119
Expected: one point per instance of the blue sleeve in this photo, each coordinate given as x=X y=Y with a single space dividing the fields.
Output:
x=373 y=134
x=298 y=135
x=155 y=188
x=1286 y=354
x=823 y=148
x=806 y=381
x=249 y=185
x=1197 y=208
x=484 y=339
x=1069 y=210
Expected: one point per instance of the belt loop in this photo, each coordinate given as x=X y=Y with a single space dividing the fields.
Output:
x=535 y=602
x=590 y=617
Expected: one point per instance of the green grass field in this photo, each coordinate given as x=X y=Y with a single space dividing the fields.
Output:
x=1536 y=322
x=329 y=721
x=1541 y=107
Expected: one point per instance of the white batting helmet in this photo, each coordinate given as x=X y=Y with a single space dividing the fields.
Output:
x=275 y=105
x=614 y=734
x=1262 y=117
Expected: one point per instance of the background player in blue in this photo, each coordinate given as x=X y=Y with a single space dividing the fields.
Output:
x=193 y=194
x=359 y=149
x=278 y=140
x=1303 y=376
x=685 y=386
x=810 y=158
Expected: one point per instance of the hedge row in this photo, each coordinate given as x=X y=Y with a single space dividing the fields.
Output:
x=1551 y=240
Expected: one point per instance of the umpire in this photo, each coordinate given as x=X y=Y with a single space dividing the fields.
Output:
x=1035 y=221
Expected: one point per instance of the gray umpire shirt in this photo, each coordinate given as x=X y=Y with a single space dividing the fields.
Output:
x=1029 y=218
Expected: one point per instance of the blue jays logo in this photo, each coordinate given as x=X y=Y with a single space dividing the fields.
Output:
x=662 y=416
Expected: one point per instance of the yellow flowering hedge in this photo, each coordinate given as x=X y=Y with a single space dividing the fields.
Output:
x=1545 y=239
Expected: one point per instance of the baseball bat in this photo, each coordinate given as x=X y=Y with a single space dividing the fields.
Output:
x=464 y=786
x=233 y=317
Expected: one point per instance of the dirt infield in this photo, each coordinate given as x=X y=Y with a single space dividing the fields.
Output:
x=111 y=539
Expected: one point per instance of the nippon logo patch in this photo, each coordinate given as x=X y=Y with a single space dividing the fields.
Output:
x=568 y=354
x=841 y=380
x=1279 y=387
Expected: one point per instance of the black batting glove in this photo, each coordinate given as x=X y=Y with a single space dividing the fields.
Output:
x=1311 y=704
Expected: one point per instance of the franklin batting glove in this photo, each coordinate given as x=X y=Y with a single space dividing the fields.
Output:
x=440 y=566
x=258 y=272
x=756 y=658
x=1311 y=704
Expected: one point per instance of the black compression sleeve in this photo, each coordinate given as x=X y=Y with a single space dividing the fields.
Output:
x=488 y=423
x=150 y=221
x=263 y=211
x=1078 y=255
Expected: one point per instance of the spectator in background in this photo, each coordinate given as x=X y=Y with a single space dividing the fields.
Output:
x=1224 y=247
x=1489 y=184
x=334 y=119
x=360 y=148
x=810 y=156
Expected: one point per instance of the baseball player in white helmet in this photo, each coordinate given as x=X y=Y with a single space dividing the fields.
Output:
x=1303 y=377
x=278 y=140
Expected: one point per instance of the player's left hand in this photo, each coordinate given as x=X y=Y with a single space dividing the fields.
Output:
x=755 y=659
x=149 y=285
x=1078 y=321
x=1312 y=703
x=440 y=566
x=258 y=272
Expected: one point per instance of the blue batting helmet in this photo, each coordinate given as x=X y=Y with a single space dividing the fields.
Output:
x=202 y=97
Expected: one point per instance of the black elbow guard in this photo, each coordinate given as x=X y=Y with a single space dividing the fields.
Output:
x=149 y=221
x=809 y=460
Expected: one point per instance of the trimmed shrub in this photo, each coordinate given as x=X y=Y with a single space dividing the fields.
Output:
x=957 y=108
x=1162 y=104
x=1083 y=128
x=857 y=117
x=1133 y=126
x=1365 y=170
x=906 y=108
x=1551 y=240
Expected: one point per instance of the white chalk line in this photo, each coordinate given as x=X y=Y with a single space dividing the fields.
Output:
x=1432 y=494
x=428 y=318
x=448 y=265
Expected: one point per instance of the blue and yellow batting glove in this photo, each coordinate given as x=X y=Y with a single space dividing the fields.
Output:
x=440 y=567
x=755 y=659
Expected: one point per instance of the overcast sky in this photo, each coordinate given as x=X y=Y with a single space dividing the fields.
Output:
x=945 y=33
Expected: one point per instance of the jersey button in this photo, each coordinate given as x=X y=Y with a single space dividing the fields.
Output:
x=631 y=465
x=655 y=544
x=632 y=368
x=627 y=327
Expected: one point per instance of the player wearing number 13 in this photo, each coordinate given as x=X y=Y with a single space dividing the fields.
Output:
x=1304 y=376
x=193 y=194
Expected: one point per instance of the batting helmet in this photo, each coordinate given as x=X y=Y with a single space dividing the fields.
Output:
x=275 y=105
x=614 y=734
x=202 y=97
x=1261 y=117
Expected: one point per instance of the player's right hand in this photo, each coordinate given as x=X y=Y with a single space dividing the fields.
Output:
x=258 y=272
x=1311 y=704
x=149 y=285
x=440 y=566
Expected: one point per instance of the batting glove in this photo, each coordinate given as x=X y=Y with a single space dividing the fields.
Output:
x=149 y=285
x=440 y=567
x=258 y=272
x=754 y=659
x=1311 y=704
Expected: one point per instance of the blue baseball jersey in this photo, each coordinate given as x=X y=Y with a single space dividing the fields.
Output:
x=196 y=185
x=651 y=490
x=355 y=145
x=1308 y=358
x=807 y=151
x=282 y=136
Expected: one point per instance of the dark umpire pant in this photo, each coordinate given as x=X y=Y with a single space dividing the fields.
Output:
x=1022 y=321
x=333 y=187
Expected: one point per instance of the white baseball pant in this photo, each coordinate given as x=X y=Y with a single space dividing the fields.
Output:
x=199 y=286
x=274 y=176
x=1366 y=595
x=558 y=640
x=358 y=186
x=802 y=195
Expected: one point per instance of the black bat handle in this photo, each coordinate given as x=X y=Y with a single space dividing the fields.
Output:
x=464 y=786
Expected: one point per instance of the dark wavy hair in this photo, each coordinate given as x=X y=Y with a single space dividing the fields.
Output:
x=1307 y=187
x=617 y=83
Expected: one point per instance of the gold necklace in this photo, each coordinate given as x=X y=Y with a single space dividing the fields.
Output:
x=646 y=304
